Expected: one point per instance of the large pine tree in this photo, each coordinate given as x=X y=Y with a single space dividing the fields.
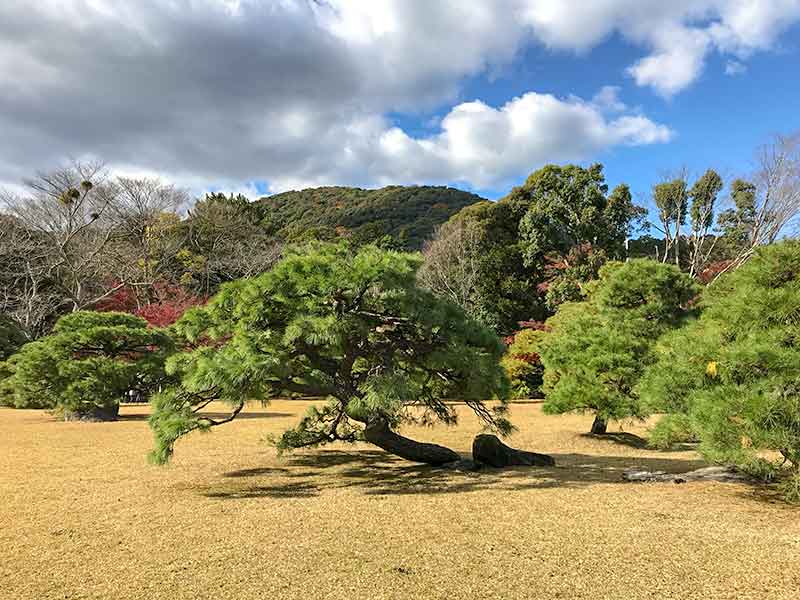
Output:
x=353 y=328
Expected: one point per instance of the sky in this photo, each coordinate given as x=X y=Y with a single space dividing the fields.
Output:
x=263 y=96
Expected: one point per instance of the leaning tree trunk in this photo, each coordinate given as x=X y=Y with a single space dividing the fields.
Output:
x=377 y=432
x=599 y=426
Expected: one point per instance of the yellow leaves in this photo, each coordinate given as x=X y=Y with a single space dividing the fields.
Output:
x=711 y=369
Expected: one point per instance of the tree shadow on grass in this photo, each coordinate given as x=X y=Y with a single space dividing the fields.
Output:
x=215 y=415
x=622 y=438
x=376 y=473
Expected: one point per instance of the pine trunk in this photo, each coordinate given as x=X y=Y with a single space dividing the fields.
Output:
x=378 y=432
x=599 y=426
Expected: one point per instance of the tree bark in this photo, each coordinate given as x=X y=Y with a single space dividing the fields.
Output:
x=490 y=450
x=377 y=432
x=599 y=426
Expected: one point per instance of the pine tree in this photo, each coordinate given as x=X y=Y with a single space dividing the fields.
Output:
x=735 y=372
x=87 y=365
x=597 y=349
x=353 y=328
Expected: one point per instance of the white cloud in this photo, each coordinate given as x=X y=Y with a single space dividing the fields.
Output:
x=294 y=92
x=483 y=145
x=680 y=33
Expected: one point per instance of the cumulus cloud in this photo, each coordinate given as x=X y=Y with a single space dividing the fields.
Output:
x=487 y=146
x=680 y=34
x=223 y=93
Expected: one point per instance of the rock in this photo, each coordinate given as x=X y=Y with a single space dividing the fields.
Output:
x=724 y=474
x=95 y=414
x=488 y=449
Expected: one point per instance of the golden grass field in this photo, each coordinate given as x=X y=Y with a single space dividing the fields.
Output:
x=82 y=515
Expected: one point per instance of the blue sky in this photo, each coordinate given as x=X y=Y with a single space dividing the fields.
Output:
x=262 y=96
x=718 y=121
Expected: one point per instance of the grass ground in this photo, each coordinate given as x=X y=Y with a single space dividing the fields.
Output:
x=83 y=516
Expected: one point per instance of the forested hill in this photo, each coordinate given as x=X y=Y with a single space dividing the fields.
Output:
x=408 y=214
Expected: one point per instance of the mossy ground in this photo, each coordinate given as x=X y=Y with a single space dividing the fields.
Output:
x=84 y=516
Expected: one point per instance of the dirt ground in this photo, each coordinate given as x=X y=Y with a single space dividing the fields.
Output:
x=82 y=515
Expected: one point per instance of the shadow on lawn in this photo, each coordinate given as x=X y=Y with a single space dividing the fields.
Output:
x=215 y=415
x=377 y=473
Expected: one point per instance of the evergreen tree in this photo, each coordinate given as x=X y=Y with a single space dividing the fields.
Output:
x=351 y=327
x=598 y=348
x=735 y=371
x=85 y=368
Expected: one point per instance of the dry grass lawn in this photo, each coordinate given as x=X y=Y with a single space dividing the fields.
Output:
x=82 y=515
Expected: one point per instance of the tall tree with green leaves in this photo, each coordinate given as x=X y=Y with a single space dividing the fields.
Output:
x=352 y=327
x=597 y=349
x=568 y=206
x=88 y=365
x=735 y=372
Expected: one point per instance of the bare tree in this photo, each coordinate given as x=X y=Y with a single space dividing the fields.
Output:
x=776 y=195
x=228 y=241
x=452 y=264
x=64 y=210
x=27 y=296
x=148 y=236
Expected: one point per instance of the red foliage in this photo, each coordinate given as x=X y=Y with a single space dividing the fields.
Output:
x=708 y=274
x=532 y=358
x=537 y=325
x=169 y=302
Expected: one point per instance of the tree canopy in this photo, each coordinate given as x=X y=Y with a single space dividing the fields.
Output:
x=735 y=370
x=352 y=327
x=404 y=215
x=87 y=366
x=598 y=348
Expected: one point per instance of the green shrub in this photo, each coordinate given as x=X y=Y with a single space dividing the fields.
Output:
x=671 y=430
x=88 y=364
x=523 y=364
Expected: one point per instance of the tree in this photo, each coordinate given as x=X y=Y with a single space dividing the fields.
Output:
x=65 y=209
x=504 y=290
x=85 y=368
x=219 y=227
x=704 y=194
x=11 y=338
x=734 y=372
x=351 y=327
x=771 y=203
x=598 y=348
x=452 y=264
x=144 y=216
x=736 y=223
x=568 y=206
x=523 y=364
x=672 y=200
x=552 y=219
x=567 y=276
x=28 y=296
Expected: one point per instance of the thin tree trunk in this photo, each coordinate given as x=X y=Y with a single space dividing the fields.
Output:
x=599 y=426
x=378 y=432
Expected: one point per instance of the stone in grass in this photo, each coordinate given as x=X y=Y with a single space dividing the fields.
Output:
x=488 y=449
x=724 y=474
